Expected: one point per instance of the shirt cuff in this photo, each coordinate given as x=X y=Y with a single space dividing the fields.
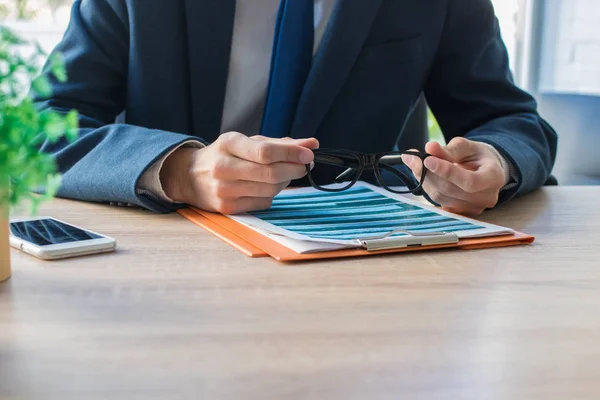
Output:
x=149 y=182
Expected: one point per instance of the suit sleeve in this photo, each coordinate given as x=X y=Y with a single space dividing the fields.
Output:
x=472 y=93
x=108 y=159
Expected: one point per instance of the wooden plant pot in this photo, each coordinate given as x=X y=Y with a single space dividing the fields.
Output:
x=4 y=245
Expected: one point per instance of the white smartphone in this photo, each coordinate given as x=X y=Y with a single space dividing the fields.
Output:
x=50 y=239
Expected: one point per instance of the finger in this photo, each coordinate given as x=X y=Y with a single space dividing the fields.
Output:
x=469 y=181
x=442 y=190
x=454 y=205
x=482 y=201
x=264 y=151
x=459 y=150
x=487 y=198
x=450 y=202
x=236 y=169
x=309 y=143
x=414 y=163
x=437 y=150
x=231 y=190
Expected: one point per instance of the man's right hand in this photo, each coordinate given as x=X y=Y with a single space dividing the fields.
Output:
x=236 y=173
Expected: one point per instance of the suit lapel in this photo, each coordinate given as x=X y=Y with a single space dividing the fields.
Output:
x=210 y=32
x=339 y=49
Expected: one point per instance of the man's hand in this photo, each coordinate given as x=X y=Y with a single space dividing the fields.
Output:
x=464 y=177
x=236 y=173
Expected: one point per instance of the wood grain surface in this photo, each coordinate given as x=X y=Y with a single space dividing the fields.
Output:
x=176 y=313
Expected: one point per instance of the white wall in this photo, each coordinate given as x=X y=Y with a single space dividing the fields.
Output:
x=576 y=118
x=47 y=35
x=45 y=28
x=569 y=85
x=571 y=48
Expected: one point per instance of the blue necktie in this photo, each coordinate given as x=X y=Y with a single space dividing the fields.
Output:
x=290 y=65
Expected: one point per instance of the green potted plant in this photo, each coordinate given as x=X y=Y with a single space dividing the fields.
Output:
x=23 y=168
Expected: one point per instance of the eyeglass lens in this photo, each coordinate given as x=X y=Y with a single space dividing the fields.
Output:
x=344 y=168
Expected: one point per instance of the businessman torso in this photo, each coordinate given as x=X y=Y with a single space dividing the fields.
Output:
x=164 y=64
x=371 y=66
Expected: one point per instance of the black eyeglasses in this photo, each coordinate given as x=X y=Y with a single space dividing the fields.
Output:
x=347 y=166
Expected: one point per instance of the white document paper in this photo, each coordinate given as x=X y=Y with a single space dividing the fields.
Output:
x=307 y=220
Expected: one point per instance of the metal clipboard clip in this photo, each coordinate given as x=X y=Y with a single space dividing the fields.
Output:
x=411 y=239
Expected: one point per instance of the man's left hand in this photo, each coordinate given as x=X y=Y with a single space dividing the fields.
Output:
x=465 y=177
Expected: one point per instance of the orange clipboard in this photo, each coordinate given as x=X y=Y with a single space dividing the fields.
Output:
x=253 y=244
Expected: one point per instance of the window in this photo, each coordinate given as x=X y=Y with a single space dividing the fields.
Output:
x=41 y=20
x=509 y=13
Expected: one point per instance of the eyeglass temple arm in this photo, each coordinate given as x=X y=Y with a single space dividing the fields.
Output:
x=420 y=192
x=399 y=174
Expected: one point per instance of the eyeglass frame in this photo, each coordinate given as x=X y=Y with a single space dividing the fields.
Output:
x=371 y=161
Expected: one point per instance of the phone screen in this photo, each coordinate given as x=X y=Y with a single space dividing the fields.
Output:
x=47 y=231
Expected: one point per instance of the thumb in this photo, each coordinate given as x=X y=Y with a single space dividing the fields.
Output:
x=459 y=150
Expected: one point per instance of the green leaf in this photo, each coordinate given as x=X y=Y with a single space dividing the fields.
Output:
x=72 y=126
x=23 y=129
x=39 y=51
x=53 y=126
x=9 y=37
x=41 y=85
x=57 y=67
x=53 y=183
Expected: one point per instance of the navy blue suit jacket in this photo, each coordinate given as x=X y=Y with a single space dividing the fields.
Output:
x=164 y=63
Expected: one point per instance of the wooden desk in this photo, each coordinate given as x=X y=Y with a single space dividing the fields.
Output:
x=178 y=314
